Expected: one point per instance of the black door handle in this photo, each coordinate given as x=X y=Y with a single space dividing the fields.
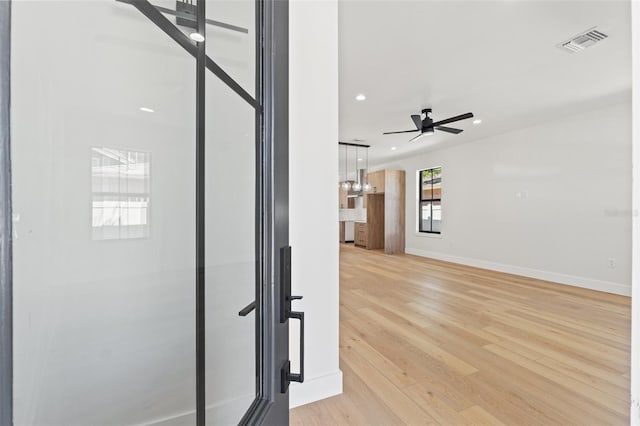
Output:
x=300 y=376
x=286 y=376
x=247 y=309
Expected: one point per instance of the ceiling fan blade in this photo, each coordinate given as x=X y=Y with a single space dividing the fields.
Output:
x=417 y=121
x=418 y=137
x=449 y=129
x=452 y=119
x=403 y=131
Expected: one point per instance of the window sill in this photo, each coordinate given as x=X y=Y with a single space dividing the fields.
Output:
x=429 y=235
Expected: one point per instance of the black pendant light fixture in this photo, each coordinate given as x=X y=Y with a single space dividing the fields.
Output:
x=358 y=184
x=346 y=185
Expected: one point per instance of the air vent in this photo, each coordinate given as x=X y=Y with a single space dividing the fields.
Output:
x=583 y=40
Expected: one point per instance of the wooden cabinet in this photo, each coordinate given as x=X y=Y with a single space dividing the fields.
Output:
x=394 y=211
x=360 y=234
x=385 y=204
x=375 y=221
x=377 y=181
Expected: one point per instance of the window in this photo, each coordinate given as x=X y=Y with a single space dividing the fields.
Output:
x=429 y=200
x=120 y=189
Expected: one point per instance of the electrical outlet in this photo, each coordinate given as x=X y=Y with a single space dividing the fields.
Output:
x=611 y=263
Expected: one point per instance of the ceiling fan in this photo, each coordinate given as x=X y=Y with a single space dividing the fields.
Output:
x=427 y=126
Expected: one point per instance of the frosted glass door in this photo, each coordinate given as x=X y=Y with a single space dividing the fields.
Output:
x=103 y=146
x=144 y=214
x=231 y=216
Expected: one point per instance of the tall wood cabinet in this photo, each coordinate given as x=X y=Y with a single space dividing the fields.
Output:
x=370 y=234
x=377 y=181
x=385 y=204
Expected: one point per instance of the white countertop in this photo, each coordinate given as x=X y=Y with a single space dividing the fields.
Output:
x=353 y=215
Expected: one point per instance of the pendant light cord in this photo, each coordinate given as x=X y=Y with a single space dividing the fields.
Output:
x=357 y=180
x=346 y=164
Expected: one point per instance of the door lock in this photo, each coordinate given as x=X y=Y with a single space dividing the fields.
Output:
x=286 y=376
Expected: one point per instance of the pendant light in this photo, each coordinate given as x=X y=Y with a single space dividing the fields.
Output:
x=366 y=187
x=346 y=185
x=358 y=185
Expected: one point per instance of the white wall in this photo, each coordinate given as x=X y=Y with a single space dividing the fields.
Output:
x=549 y=201
x=635 y=326
x=313 y=117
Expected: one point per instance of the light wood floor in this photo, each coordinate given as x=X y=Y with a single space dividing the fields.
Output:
x=430 y=342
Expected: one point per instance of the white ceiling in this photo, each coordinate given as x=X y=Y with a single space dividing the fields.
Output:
x=497 y=59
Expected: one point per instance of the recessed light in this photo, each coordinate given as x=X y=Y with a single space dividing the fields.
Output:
x=196 y=37
x=360 y=97
x=393 y=148
x=477 y=121
x=145 y=109
x=359 y=159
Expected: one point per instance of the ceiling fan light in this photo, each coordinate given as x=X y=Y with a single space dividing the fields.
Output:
x=196 y=37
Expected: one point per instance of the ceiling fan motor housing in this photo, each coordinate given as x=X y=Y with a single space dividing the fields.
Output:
x=428 y=121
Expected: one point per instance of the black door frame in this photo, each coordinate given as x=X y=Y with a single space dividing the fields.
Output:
x=272 y=194
x=6 y=298
x=274 y=98
x=271 y=405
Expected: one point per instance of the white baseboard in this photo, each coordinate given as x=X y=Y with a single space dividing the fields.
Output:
x=225 y=412
x=311 y=390
x=572 y=280
x=315 y=389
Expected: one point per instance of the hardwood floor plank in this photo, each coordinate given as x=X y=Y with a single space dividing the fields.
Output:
x=578 y=344
x=344 y=411
x=421 y=340
x=403 y=406
x=477 y=416
x=615 y=385
x=596 y=395
x=557 y=352
x=352 y=340
x=429 y=342
x=441 y=412
x=370 y=406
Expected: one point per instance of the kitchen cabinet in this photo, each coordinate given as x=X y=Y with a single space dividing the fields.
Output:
x=385 y=205
x=370 y=234
x=375 y=221
x=394 y=211
x=377 y=181
x=360 y=237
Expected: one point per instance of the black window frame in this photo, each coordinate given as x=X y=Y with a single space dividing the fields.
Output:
x=422 y=201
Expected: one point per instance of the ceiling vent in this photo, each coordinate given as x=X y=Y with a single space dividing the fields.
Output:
x=583 y=40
